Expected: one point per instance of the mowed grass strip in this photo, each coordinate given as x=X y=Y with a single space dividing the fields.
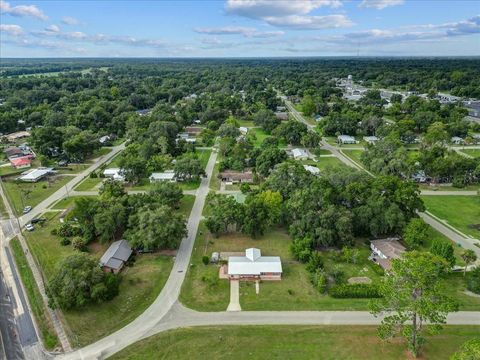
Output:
x=290 y=342
x=47 y=332
x=22 y=194
x=461 y=212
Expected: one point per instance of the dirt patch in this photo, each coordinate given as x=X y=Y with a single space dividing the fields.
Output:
x=360 y=280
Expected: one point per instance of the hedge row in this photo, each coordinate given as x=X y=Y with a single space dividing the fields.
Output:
x=355 y=291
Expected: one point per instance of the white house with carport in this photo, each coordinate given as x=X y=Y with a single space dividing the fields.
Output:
x=166 y=176
x=346 y=139
x=35 y=175
x=254 y=266
x=114 y=174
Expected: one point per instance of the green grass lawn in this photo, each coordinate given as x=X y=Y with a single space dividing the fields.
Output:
x=246 y=123
x=3 y=210
x=324 y=152
x=47 y=331
x=65 y=203
x=441 y=187
x=99 y=152
x=355 y=155
x=326 y=162
x=290 y=342
x=22 y=194
x=72 y=168
x=203 y=156
x=260 y=135
x=8 y=170
x=140 y=285
x=88 y=184
x=472 y=152
x=293 y=292
x=460 y=212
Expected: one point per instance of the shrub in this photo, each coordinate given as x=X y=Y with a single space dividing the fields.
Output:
x=319 y=280
x=79 y=244
x=354 y=291
x=473 y=281
x=44 y=186
x=68 y=230
x=205 y=260
x=315 y=262
x=470 y=350
x=54 y=232
x=93 y=175
x=337 y=275
x=245 y=188
x=301 y=249
x=65 y=241
x=290 y=292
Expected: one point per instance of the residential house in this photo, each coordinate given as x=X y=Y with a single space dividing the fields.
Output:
x=144 y=112
x=370 y=139
x=385 y=250
x=243 y=130
x=193 y=130
x=232 y=176
x=476 y=138
x=114 y=174
x=116 y=256
x=318 y=118
x=21 y=162
x=312 y=169
x=17 y=135
x=281 y=108
x=13 y=152
x=346 y=139
x=456 y=140
x=166 y=176
x=35 y=175
x=104 y=139
x=281 y=115
x=299 y=154
x=254 y=266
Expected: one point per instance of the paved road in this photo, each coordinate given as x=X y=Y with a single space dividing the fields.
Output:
x=10 y=347
x=169 y=294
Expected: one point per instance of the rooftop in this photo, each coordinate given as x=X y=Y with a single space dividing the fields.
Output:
x=253 y=263
x=117 y=253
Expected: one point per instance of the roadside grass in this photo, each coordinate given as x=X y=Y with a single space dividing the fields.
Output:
x=449 y=187
x=99 y=152
x=325 y=152
x=186 y=205
x=472 y=152
x=246 y=123
x=65 y=203
x=355 y=155
x=461 y=212
x=23 y=194
x=203 y=156
x=214 y=180
x=293 y=292
x=139 y=287
x=3 y=209
x=88 y=184
x=8 y=171
x=290 y=342
x=45 y=327
x=72 y=168
x=326 y=162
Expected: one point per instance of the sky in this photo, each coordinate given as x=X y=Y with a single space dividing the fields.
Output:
x=239 y=28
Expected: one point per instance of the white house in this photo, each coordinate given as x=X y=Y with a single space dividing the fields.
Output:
x=346 y=139
x=35 y=174
x=114 y=174
x=104 y=139
x=312 y=169
x=243 y=130
x=167 y=175
x=370 y=139
x=457 y=140
x=254 y=266
x=299 y=154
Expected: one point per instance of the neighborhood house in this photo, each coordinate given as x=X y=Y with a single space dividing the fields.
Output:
x=312 y=169
x=35 y=174
x=282 y=116
x=21 y=162
x=457 y=140
x=114 y=174
x=299 y=154
x=116 y=256
x=254 y=266
x=384 y=250
x=370 y=139
x=231 y=176
x=346 y=139
x=17 y=135
x=167 y=175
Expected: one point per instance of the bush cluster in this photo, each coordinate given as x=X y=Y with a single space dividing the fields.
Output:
x=355 y=291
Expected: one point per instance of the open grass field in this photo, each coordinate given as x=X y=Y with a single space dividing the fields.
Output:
x=140 y=285
x=22 y=194
x=472 y=152
x=8 y=170
x=443 y=187
x=461 y=212
x=72 y=168
x=294 y=292
x=47 y=332
x=88 y=184
x=290 y=342
x=65 y=203
x=325 y=162
x=355 y=155
x=260 y=135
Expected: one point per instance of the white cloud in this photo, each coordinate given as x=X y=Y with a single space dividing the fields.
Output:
x=380 y=4
x=68 y=20
x=52 y=28
x=311 y=22
x=292 y=14
x=237 y=30
x=22 y=10
x=14 y=30
x=258 y=9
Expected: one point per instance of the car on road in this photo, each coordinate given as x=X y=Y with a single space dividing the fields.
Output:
x=27 y=209
x=38 y=220
x=29 y=227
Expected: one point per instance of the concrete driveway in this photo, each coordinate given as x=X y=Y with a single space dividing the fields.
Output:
x=234 y=296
